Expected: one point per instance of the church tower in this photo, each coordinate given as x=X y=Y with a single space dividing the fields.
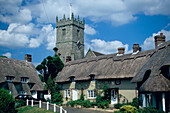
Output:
x=70 y=38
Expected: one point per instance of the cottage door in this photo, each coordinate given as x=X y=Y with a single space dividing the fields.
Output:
x=114 y=98
x=74 y=92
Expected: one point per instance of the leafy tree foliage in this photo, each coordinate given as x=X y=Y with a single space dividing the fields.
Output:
x=56 y=95
x=50 y=66
x=3 y=56
x=7 y=103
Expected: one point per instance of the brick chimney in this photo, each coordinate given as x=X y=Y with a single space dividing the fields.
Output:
x=28 y=58
x=136 y=47
x=121 y=50
x=68 y=58
x=159 y=39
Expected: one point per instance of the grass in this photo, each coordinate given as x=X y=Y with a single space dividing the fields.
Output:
x=29 y=109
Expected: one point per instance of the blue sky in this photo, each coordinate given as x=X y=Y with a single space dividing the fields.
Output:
x=28 y=26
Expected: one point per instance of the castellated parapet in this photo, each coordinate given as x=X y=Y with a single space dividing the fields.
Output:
x=67 y=22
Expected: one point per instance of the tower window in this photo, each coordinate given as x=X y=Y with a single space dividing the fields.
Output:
x=78 y=33
x=64 y=32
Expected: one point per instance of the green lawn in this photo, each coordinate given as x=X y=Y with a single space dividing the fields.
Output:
x=29 y=109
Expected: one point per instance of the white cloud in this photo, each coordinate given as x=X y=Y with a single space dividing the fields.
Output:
x=27 y=35
x=149 y=42
x=118 y=12
x=104 y=47
x=8 y=54
x=89 y=30
x=8 y=38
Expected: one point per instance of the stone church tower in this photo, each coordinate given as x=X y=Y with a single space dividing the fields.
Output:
x=70 y=38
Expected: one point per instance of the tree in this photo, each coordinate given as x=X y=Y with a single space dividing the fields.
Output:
x=7 y=103
x=56 y=95
x=50 y=66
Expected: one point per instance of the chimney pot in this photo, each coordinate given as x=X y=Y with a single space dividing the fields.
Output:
x=136 y=47
x=68 y=58
x=121 y=50
x=159 y=39
x=28 y=58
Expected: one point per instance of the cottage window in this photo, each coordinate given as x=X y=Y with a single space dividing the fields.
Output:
x=9 y=79
x=67 y=93
x=24 y=80
x=22 y=93
x=92 y=77
x=117 y=82
x=72 y=79
x=91 y=93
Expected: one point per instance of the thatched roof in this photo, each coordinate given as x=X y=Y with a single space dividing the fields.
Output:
x=104 y=67
x=18 y=69
x=156 y=81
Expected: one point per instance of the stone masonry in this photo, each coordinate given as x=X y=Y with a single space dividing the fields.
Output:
x=70 y=38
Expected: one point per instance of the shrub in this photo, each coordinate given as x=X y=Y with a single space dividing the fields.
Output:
x=149 y=110
x=86 y=103
x=81 y=96
x=72 y=103
x=128 y=109
x=20 y=103
x=7 y=103
x=135 y=102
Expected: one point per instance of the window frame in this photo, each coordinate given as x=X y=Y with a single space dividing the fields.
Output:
x=24 y=80
x=67 y=93
x=91 y=94
x=9 y=78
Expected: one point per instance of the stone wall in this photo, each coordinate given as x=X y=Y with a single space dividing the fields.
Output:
x=126 y=90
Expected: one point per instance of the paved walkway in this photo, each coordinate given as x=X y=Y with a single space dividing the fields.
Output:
x=84 y=110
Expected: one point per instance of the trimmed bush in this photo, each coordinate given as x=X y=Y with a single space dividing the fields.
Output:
x=128 y=109
x=7 y=103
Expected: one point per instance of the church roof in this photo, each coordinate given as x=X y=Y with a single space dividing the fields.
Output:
x=17 y=69
x=105 y=67
x=156 y=81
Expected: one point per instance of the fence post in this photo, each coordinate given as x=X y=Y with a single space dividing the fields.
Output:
x=54 y=107
x=27 y=102
x=65 y=111
x=40 y=104
x=32 y=103
x=47 y=105
x=61 y=109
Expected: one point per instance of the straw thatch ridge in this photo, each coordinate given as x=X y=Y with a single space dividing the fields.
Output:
x=18 y=69
x=156 y=81
x=104 y=66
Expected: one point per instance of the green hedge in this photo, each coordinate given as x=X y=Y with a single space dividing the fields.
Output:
x=7 y=103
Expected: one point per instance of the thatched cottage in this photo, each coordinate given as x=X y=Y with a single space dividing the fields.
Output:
x=153 y=79
x=20 y=77
x=89 y=75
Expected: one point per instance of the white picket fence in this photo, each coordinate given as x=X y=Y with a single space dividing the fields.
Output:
x=46 y=105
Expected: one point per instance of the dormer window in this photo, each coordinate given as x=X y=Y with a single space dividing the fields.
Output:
x=92 y=77
x=24 y=79
x=9 y=78
x=117 y=82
